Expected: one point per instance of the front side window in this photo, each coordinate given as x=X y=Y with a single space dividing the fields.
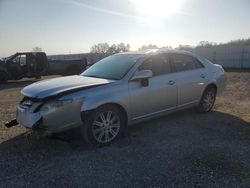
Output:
x=185 y=62
x=23 y=60
x=158 y=64
x=20 y=59
x=114 y=67
x=16 y=59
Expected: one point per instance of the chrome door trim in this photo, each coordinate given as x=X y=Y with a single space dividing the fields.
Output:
x=165 y=110
x=154 y=113
x=188 y=103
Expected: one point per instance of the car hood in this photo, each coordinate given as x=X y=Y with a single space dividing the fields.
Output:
x=57 y=86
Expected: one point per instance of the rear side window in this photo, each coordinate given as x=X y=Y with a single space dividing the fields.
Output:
x=185 y=62
x=158 y=64
x=197 y=63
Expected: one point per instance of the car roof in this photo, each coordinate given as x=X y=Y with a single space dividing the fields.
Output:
x=157 y=51
x=23 y=53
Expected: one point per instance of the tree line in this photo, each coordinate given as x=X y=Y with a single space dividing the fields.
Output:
x=106 y=48
x=122 y=47
x=116 y=48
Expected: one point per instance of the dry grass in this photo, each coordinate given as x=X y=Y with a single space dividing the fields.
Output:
x=235 y=100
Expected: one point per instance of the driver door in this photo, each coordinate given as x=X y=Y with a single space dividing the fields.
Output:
x=18 y=66
x=161 y=93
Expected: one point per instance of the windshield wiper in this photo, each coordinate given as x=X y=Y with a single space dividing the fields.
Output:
x=91 y=76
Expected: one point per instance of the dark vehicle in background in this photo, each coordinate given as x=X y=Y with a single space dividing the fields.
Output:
x=36 y=64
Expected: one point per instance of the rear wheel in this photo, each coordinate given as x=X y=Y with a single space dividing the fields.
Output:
x=207 y=100
x=104 y=125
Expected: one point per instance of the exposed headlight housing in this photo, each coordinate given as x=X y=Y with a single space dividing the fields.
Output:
x=53 y=105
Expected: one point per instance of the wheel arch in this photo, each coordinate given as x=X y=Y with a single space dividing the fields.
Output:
x=208 y=86
x=211 y=85
x=84 y=113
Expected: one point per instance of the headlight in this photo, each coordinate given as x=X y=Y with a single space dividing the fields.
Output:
x=53 y=105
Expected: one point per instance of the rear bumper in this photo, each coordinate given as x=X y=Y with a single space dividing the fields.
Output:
x=221 y=83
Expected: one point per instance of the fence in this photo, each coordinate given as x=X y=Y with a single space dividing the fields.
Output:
x=229 y=56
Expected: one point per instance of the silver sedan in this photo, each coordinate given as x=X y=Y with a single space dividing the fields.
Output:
x=121 y=90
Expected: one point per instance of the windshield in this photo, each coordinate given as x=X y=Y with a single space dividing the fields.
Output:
x=8 y=58
x=113 y=67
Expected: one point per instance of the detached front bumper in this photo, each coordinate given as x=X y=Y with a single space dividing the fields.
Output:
x=28 y=119
x=57 y=120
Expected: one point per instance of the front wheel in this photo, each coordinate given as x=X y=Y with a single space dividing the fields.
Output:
x=104 y=126
x=207 y=100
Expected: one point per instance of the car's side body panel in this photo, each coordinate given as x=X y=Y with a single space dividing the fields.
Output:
x=65 y=117
x=158 y=96
x=116 y=93
x=190 y=85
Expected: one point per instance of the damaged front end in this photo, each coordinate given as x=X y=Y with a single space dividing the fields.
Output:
x=52 y=106
x=48 y=115
x=26 y=114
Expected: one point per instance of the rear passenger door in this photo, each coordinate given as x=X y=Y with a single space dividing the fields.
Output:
x=159 y=95
x=190 y=77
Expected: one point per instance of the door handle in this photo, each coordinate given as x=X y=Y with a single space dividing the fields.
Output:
x=202 y=75
x=171 y=82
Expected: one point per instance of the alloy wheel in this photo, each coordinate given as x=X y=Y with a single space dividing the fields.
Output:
x=208 y=100
x=106 y=126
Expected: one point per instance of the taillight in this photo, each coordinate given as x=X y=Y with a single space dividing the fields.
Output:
x=222 y=70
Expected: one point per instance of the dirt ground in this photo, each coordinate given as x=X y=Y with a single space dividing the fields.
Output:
x=235 y=99
x=182 y=149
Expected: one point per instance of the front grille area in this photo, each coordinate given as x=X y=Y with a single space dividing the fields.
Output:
x=27 y=102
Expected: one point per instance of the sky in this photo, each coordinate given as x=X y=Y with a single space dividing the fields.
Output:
x=73 y=26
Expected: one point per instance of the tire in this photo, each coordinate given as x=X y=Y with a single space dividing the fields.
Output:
x=3 y=77
x=207 y=100
x=103 y=126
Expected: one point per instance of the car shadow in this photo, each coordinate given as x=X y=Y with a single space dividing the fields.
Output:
x=159 y=129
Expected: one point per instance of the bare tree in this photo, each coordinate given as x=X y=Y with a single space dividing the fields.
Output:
x=100 y=48
x=37 y=49
x=122 y=47
x=205 y=44
x=167 y=47
x=114 y=48
x=147 y=47
x=184 y=47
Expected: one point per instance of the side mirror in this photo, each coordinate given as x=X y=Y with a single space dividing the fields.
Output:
x=143 y=76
